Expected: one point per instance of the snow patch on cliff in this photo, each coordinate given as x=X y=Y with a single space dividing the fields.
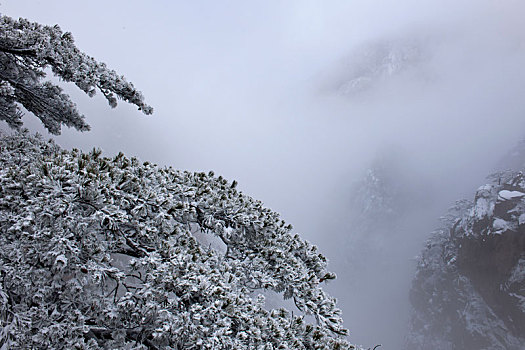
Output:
x=508 y=195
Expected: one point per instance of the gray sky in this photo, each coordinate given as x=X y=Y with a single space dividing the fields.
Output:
x=249 y=89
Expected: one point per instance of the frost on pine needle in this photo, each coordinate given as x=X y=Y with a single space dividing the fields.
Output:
x=100 y=252
x=27 y=49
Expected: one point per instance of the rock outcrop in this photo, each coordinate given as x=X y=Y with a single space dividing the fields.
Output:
x=469 y=289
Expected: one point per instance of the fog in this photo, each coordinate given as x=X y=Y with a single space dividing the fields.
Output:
x=290 y=99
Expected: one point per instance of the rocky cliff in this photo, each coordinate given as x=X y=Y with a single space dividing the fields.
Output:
x=469 y=289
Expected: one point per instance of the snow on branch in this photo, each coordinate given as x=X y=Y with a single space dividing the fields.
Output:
x=26 y=50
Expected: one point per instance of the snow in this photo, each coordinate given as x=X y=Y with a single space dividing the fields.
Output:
x=521 y=219
x=518 y=273
x=521 y=300
x=508 y=195
x=501 y=226
x=484 y=207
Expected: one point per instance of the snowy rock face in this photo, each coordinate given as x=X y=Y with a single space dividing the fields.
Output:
x=469 y=290
x=383 y=210
x=377 y=63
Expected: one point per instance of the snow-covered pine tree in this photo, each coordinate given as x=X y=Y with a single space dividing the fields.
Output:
x=27 y=49
x=102 y=253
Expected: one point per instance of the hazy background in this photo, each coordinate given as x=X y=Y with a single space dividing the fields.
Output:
x=258 y=92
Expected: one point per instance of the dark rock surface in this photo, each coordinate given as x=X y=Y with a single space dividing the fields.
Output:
x=469 y=290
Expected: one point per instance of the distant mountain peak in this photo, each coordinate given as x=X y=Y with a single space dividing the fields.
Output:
x=378 y=62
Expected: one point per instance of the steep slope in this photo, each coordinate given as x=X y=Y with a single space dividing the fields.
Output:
x=469 y=290
x=377 y=63
x=388 y=205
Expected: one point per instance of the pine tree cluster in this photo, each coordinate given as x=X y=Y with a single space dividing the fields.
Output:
x=100 y=252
